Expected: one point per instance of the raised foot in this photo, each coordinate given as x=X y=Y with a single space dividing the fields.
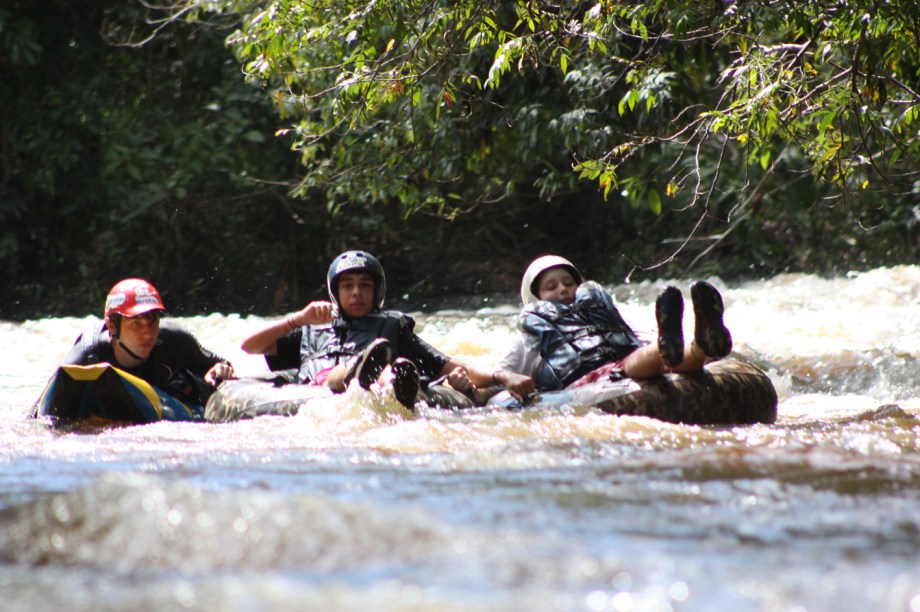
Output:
x=710 y=333
x=370 y=363
x=405 y=382
x=669 y=311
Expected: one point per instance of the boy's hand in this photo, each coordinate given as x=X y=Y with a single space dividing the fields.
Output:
x=519 y=386
x=459 y=379
x=315 y=313
x=219 y=373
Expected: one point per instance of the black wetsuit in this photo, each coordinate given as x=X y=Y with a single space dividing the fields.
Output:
x=177 y=364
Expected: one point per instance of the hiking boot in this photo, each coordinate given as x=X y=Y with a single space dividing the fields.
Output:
x=710 y=333
x=405 y=382
x=370 y=363
x=669 y=311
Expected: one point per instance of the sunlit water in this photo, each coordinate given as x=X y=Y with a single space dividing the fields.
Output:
x=354 y=504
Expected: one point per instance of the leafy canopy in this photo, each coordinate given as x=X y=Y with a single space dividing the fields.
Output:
x=447 y=105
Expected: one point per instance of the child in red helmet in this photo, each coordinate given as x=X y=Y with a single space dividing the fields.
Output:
x=132 y=338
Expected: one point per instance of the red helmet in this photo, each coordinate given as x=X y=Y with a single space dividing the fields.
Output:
x=132 y=297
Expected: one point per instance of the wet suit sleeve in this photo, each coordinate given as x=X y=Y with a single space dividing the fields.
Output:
x=430 y=361
x=287 y=356
x=181 y=349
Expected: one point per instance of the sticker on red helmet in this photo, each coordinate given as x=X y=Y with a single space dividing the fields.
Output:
x=114 y=301
x=144 y=296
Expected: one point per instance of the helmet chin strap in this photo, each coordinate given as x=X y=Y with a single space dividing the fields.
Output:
x=116 y=336
x=129 y=351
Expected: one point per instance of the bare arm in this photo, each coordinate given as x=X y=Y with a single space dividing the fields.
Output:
x=265 y=340
x=518 y=385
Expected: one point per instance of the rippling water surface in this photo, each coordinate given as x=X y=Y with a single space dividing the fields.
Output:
x=354 y=504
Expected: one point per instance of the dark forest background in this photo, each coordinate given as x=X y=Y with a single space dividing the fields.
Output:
x=160 y=160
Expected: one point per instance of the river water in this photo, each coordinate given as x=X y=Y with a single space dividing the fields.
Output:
x=354 y=504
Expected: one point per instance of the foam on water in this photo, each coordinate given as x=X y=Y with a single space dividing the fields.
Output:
x=356 y=504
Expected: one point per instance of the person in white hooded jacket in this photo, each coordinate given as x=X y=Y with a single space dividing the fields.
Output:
x=572 y=332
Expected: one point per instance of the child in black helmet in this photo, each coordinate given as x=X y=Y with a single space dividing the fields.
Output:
x=332 y=342
x=572 y=333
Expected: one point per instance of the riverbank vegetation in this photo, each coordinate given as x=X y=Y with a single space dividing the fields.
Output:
x=227 y=150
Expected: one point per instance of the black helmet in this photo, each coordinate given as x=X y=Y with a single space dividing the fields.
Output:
x=350 y=261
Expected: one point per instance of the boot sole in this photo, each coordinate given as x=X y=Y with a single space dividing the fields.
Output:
x=405 y=382
x=710 y=333
x=371 y=363
x=669 y=312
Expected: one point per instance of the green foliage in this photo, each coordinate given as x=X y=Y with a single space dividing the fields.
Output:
x=406 y=102
x=120 y=161
x=444 y=106
x=651 y=135
x=838 y=80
